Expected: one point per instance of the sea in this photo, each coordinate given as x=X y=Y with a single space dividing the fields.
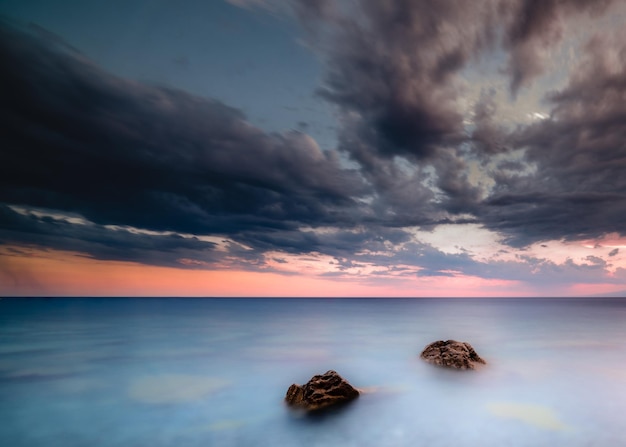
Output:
x=165 y=372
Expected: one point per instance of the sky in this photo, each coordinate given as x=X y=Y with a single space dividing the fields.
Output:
x=403 y=148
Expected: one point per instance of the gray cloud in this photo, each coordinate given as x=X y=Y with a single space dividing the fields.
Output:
x=392 y=65
x=392 y=69
x=534 y=26
x=98 y=242
x=537 y=272
x=578 y=187
x=77 y=139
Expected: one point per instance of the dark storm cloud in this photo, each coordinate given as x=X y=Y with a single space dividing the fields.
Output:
x=80 y=141
x=392 y=64
x=578 y=189
x=534 y=26
x=77 y=139
x=541 y=216
x=340 y=243
x=392 y=69
x=488 y=137
x=97 y=242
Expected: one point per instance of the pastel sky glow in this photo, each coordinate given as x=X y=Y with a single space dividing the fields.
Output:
x=313 y=148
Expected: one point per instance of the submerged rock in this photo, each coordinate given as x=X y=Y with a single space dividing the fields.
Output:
x=452 y=354
x=322 y=391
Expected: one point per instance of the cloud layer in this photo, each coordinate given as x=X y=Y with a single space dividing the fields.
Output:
x=116 y=152
x=119 y=169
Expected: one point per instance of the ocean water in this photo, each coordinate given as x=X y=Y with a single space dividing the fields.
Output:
x=214 y=372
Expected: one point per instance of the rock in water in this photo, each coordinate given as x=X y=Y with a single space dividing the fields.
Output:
x=322 y=391
x=451 y=354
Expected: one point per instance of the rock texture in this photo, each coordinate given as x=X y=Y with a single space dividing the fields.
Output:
x=452 y=354
x=322 y=391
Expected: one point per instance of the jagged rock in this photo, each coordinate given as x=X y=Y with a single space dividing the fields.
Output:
x=452 y=354
x=322 y=391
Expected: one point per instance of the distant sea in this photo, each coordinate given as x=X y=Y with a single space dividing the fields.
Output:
x=214 y=372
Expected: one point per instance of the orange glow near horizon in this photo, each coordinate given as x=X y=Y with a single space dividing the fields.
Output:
x=36 y=272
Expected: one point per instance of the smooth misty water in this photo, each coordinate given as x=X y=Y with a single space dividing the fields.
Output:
x=174 y=372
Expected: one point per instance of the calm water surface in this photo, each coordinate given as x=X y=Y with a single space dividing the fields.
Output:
x=213 y=372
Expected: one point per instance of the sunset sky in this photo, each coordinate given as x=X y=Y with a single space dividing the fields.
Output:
x=312 y=148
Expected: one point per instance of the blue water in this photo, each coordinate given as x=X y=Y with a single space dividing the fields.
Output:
x=214 y=372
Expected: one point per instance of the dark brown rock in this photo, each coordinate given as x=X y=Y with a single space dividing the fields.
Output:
x=452 y=354
x=322 y=391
